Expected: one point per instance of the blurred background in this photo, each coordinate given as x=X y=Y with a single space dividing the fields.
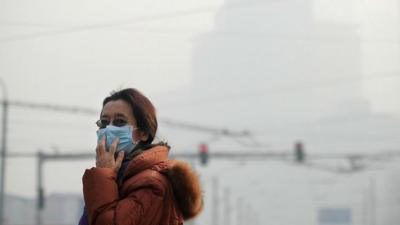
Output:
x=289 y=110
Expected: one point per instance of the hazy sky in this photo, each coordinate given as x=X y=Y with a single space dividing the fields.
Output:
x=144 y=44
x=76 y=52
x=81 y=68
x=154 y=55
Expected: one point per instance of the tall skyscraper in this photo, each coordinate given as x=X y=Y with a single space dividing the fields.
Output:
x=275 y=57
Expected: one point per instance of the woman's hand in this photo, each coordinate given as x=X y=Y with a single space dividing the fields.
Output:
x=105 y=159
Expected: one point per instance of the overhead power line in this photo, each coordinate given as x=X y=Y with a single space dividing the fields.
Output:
x=169 y=122
x=238 y=34
x=29 y=24
x=131 y=21
x=216 y=131
x=293 y=87
x=237 y=154
x=357 y=162
x=57 y=29
x=60 y=108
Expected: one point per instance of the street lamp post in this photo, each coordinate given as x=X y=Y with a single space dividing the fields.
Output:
x=3 y=150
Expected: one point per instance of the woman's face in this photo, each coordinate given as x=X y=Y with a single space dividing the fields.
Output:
x=119 y=111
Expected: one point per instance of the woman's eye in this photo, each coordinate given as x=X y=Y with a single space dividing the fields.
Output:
x=104 y=123
x=119 y=122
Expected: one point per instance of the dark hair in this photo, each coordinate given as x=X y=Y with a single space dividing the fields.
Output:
x=143 y=110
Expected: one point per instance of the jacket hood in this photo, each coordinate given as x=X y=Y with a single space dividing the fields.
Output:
x=187 y=188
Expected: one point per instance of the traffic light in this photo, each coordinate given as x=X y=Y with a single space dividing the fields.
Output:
x=203 y=153
x=300 y=155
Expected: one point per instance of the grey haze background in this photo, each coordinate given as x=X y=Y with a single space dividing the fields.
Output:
x=325 y=72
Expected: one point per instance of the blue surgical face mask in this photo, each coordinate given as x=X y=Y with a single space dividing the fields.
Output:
x=124 y=134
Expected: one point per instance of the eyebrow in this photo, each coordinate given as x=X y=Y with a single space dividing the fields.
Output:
x=116 y=115
x=120 y=115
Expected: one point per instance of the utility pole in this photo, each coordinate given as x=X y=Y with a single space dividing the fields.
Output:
x=215 y=206
x=239 y=211
x=40 y=189
x=373 y=201
x=227 y=208
x=365 y=206
x=41 y=159
x=3 y=150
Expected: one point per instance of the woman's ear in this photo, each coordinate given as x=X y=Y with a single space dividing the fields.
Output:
x=143 y=136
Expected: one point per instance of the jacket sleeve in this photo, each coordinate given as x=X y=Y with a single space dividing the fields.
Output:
x=105 y=207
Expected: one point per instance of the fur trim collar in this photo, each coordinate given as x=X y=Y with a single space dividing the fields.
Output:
x=187 y=188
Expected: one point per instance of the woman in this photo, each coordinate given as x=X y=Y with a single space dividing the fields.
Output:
x=134 y=182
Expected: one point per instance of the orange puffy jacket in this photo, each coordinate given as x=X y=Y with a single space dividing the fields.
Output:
x=154 y=191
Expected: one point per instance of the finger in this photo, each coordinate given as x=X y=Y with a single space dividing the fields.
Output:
x=119 y=160
x=113 y=146
x=102 y=145
x=97 y=152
